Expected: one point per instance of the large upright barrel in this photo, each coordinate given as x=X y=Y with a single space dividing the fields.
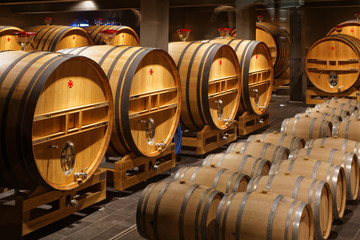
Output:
x=351 y=27
x=7 y=39
x=53 y=38
x=56 y=115
x=332 y=63
x=257 y=73
x=146 y=88
x=125 y=36
x=210 y=82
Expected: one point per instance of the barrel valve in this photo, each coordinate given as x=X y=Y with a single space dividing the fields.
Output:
x=225 y=137
x=160 y=146
x=156 y=167
x=339 y=88
x=228 y=121
x=261 y=121
x=73 y=202
x=80 y=176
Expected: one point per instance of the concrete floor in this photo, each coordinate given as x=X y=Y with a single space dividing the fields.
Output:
x=114 y=218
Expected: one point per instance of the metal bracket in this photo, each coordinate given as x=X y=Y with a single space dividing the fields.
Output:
x=256 y=97
x=219 y=108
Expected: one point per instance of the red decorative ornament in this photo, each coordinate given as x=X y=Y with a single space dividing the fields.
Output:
x=70 y=84
x=8 y=39
x=220 y=62
x=73 y=37
x=151 y=71
x=256 y=56
x=122 y=35
x=332 y=48
x=351 y=30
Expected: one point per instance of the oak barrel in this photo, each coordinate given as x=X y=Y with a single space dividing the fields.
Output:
x=323 y=116
x=238 y=162
x=347 y=101
x=177 y=210
x=332 y=63
x=306 y=127
x=316 y=193
x=267 y=151
x=146 y=88
x=278 y=41
x=257 y=73
x=125 y=36
x=319 y=170
x=335 y=142
x=56 y=119
x=263 y=215
x=279 y=139
x=350 y=27
x=348 y=160
x=355 y=116
x=210 y=82
x=348 y=130
x=54 y=37
x=221 y=179
x=7 y=38
x=339 y=105
x=329 y=110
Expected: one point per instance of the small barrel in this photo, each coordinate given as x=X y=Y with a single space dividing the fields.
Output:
x=177 y=210
x=323 y=116
x=146 y=88
x=316 y=193
x=7 y=39
x=332 y=63
x=307 y=127
x=350 y=27
x=279 y=139
x=210 y=82
x=263 y=150
x=329 y=110
x=221 y=179
x=263 y=215
x=348 y=130
x=53 y=38
x=348 y=160
x=335 y=142
x=125 y=36
x=346 y=101
x=338 y=105
x=257 y=73
x=238 y=162
x=334 y=175
x=53 y=132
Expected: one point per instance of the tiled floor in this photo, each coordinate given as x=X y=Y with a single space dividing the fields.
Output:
x=115 y=217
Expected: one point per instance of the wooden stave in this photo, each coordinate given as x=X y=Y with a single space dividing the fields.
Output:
x=244 y=60
x=249 y=165
x=94 y=33
x=341 y=130
x=209 y=197
x=189 y=118
x=329 y=110
x=335 y=142
x=122 y=135
x=323 y=131
x=221 y=179
x=346 y=24
x=314 y=188
x=50 y=42
x=235 y=203
x=22 y=169
x=347 y=160
x=352 y=43
x=276 y=152
x=279 y=139
x=334 y=174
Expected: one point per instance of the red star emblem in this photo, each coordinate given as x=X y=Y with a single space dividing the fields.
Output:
x=352 y=30
x=70 y=84
x=151 y=71
x=332 y=48
x=123 y=35
x=73 y=37
x=220 y=62
x=256 y=56
x=8 y=39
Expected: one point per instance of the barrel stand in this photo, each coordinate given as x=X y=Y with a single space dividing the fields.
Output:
x=23 y=212
x=315 y=96
x=208 y=139
x=249 y=123
x=131 y=170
